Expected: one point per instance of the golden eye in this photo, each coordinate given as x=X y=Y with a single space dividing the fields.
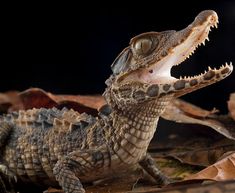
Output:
x=143 y=46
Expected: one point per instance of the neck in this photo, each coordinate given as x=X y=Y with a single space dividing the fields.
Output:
x=134 y=128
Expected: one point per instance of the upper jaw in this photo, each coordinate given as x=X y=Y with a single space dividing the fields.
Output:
x=184 y=42
x=179 y=47
x=175 y=47
x=188 y=40
x=194 y=35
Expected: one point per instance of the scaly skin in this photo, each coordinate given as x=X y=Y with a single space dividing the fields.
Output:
x=50 y=146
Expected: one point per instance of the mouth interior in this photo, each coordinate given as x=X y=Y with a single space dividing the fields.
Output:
x=160 y=72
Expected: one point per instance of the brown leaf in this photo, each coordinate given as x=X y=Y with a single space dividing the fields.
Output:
x=183 y=112
x=5 y=103
x=231 y=105
x=202 y=157
x=215 y=187
x=174 y=169
x=192 y=110
x=221 y=170
x=123 y=183
x=9 y=100
x=196 y=146
x=37 y=98
x=95 y=101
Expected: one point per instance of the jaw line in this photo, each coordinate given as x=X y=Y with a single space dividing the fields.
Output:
x=161 y=70
x=188 y=40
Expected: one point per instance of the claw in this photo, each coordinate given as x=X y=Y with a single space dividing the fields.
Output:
x=5 y=170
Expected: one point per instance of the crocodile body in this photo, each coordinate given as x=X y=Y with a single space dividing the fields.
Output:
x=51 y=146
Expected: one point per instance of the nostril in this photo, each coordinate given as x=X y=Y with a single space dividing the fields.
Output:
x=213 y=19
x=151 y=71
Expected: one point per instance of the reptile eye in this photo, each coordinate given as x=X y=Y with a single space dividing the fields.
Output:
x=143 y=46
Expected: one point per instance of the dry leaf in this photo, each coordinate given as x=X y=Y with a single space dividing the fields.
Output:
x=202 y=157
x=37 y=98
x=125 y=182
x=191 y=114
x=5 y=103
x=95 y=101
x=215 y=187
x=190 y=151
x=221 y=170
x=196 y=146
x=231 y=105
x=9 y=100
x=193 y=110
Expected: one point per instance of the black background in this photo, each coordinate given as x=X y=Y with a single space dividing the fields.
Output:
x=69 y=49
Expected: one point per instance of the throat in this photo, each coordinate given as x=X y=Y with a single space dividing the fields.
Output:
x=134 y=129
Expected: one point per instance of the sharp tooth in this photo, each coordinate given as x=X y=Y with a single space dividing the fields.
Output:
x=207 y=38
x=216 y=25
x=209 y=68
x=203 y=43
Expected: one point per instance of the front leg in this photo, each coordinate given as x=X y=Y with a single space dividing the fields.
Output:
x=149 y=165
x=2 y=185
x=78 y=164
x=66 y=177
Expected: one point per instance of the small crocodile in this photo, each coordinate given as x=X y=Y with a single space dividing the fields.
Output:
x=52 y=146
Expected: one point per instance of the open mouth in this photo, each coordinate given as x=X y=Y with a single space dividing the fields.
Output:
x=189 y=39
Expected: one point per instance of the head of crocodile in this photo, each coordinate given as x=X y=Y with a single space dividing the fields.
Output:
x=142 y=71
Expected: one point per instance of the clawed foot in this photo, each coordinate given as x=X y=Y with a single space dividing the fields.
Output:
x=166 y=181
x=149 y=165
x=8 y=173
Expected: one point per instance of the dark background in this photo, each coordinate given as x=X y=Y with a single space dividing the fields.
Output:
x=69 y=49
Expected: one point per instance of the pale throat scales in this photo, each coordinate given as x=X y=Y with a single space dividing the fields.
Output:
x=135 y=127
